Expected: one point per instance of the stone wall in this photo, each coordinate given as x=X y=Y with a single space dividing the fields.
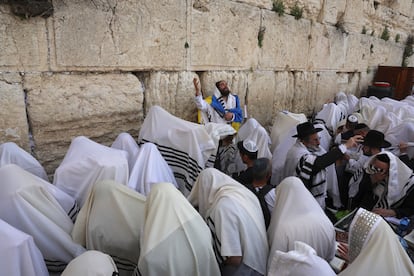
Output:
x=94 y=68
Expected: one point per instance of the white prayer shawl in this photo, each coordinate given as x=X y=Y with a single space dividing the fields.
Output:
x=208 y=113
x=26 y=204
x=111 y=221
x=374 y=248
x=124 y=141
x=186 y=146
x=401 y=133
x=298 y=217
x=176 y=241
x=91 y=263
x=252 y=130
x=299 y=162
x=150 y=168
x=330 y=115
x=87 y=162
x=10 y=153
x=19 y=254
x=352 y=103
x=284 y=127
x=234 y=216
x=300 y=261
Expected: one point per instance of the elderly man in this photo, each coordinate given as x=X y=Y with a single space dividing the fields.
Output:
x=304 y=161
x=386 y=187
x=222 y=107
x=236 y=221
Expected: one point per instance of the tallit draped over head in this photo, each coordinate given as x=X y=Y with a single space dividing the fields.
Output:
x=27 y=204
x=374 y=248
x=176 y=240
x=19 y=254
x=91 y=263
x=220 y=199
x=302 y=260
x=111 y=221
x=87 y=162
x=297 y=216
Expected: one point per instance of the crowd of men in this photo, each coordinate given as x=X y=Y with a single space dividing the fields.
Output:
x=212 y=198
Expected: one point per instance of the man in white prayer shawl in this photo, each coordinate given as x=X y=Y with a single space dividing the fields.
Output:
x=386 y=187
x=10 y=153
x=305 y=161
x=85 y=163
x=176 y=241
x=298 y=217
x=374 y=248
x=111 y=221
x=187 y=147
x=150 y=168
x=252 y=130
x=91 y=263
x=19 y=254
x=300 y=261
x=124 y=141
x=31 y=205
x=236 y=221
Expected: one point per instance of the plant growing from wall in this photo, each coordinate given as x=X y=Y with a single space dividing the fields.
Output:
x=397 y=38
x=296 y=11
x=408 y=50
x=260 y=36
x=385 y=34
x=278 y=7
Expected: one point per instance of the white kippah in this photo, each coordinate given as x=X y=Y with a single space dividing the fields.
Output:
x=352 y=119
x=250 y=146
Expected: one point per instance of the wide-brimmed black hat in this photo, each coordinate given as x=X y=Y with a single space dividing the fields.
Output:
x=375 y=139
x=305 y=129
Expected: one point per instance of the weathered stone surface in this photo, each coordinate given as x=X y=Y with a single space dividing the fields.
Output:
x=128 y=35
x=64 y=106
x=172 y=91
x=353 y=17
x=224 y=35
x=13 y=119
x=385 y=53
x=358 y=52
x=331 y=11
x=264 y=4
x=23 y=42
x=286 y=42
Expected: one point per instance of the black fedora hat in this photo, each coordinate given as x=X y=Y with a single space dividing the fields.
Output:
x=375 y=139
x=305 y=129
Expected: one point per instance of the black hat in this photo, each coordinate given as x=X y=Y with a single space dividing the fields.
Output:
x=306 y=129
x=375 y=139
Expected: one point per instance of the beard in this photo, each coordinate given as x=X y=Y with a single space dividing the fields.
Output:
x=314 y=148
x=225 y=92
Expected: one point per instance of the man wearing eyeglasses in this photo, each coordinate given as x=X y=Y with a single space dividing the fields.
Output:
x=386 y=187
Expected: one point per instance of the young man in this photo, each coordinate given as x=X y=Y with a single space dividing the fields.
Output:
x=248 y=153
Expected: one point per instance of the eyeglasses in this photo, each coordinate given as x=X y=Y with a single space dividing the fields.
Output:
x=371 y=169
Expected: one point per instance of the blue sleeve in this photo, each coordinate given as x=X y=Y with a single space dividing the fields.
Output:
x=237 y=111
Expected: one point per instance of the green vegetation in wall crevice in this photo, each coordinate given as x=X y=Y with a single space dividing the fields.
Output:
x=408 y=50
x=278 y=7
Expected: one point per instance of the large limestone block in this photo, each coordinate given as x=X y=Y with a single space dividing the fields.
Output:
x=173 y=91
x=263 y=4
x=130 y=35
x=224 y=35
x=327 y=48
x=353 y=17
x=402 y=6
x=331 y=11
x=13 y=119
x=303 y=95
x=385 y=53
x=325 y=85
x=23 y=42
x=310 y=8
x=284 y=92
x=357 y=52
x=261 y=97
x=64 y=106
x=286 y=42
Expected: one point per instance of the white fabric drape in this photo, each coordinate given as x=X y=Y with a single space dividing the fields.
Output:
x=300 y=261
x=111 y=221
x=91 y=263
x=10 y=153
x=19 y=254
x=237 y=217
x=150 y=168
x=176 y=240
x=252 y=130
x=124 y=141
x=87 y=162
x=298 y=217
x=379 y=250
x=27 y=204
